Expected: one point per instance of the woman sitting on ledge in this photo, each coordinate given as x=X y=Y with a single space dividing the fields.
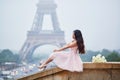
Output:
x=71 y=61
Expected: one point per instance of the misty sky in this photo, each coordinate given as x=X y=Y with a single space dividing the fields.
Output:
x=99 y=21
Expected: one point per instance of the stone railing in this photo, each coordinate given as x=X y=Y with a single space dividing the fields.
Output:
x=92 y=71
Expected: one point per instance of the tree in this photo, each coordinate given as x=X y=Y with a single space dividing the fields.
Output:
x=7 y=56
x=114 y=56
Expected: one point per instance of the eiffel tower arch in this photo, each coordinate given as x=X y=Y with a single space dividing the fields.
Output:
x=36 y=36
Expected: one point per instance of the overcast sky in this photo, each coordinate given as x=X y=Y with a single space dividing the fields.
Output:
x=99 y=21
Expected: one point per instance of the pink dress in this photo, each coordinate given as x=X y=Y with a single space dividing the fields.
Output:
x=70 y=60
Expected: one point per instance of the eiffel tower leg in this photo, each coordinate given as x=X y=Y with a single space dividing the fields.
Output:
x=55 y=21
x=37 y=24
x=29 y=55
x=40 y=21
x=25 y=51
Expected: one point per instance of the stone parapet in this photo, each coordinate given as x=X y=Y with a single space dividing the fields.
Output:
x=92 y=71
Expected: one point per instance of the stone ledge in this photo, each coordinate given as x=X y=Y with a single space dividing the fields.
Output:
x=88 y=66
x=108 y=65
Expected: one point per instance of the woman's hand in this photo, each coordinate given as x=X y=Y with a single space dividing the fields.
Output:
x=55 y=50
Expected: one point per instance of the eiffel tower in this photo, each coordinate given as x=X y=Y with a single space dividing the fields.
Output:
x=36 y=36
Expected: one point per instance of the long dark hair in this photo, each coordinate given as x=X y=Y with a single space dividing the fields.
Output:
x=80 y=41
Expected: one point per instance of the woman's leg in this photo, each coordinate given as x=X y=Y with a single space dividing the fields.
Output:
x=48 y=61
x=45 y=63
x=51 y=57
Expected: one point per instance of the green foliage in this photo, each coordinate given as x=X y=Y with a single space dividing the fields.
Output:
x=109 y=55
x=7 y=56
x=105 y=52
x=114 y=56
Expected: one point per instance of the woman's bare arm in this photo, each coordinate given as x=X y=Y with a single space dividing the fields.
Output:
x=69 y=45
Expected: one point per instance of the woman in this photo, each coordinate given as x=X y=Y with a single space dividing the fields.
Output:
x=71 y=60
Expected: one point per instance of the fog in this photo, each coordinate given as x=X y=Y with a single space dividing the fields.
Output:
x=99 y=21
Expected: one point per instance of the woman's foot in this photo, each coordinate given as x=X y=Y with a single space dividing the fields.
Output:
x=42 y=66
